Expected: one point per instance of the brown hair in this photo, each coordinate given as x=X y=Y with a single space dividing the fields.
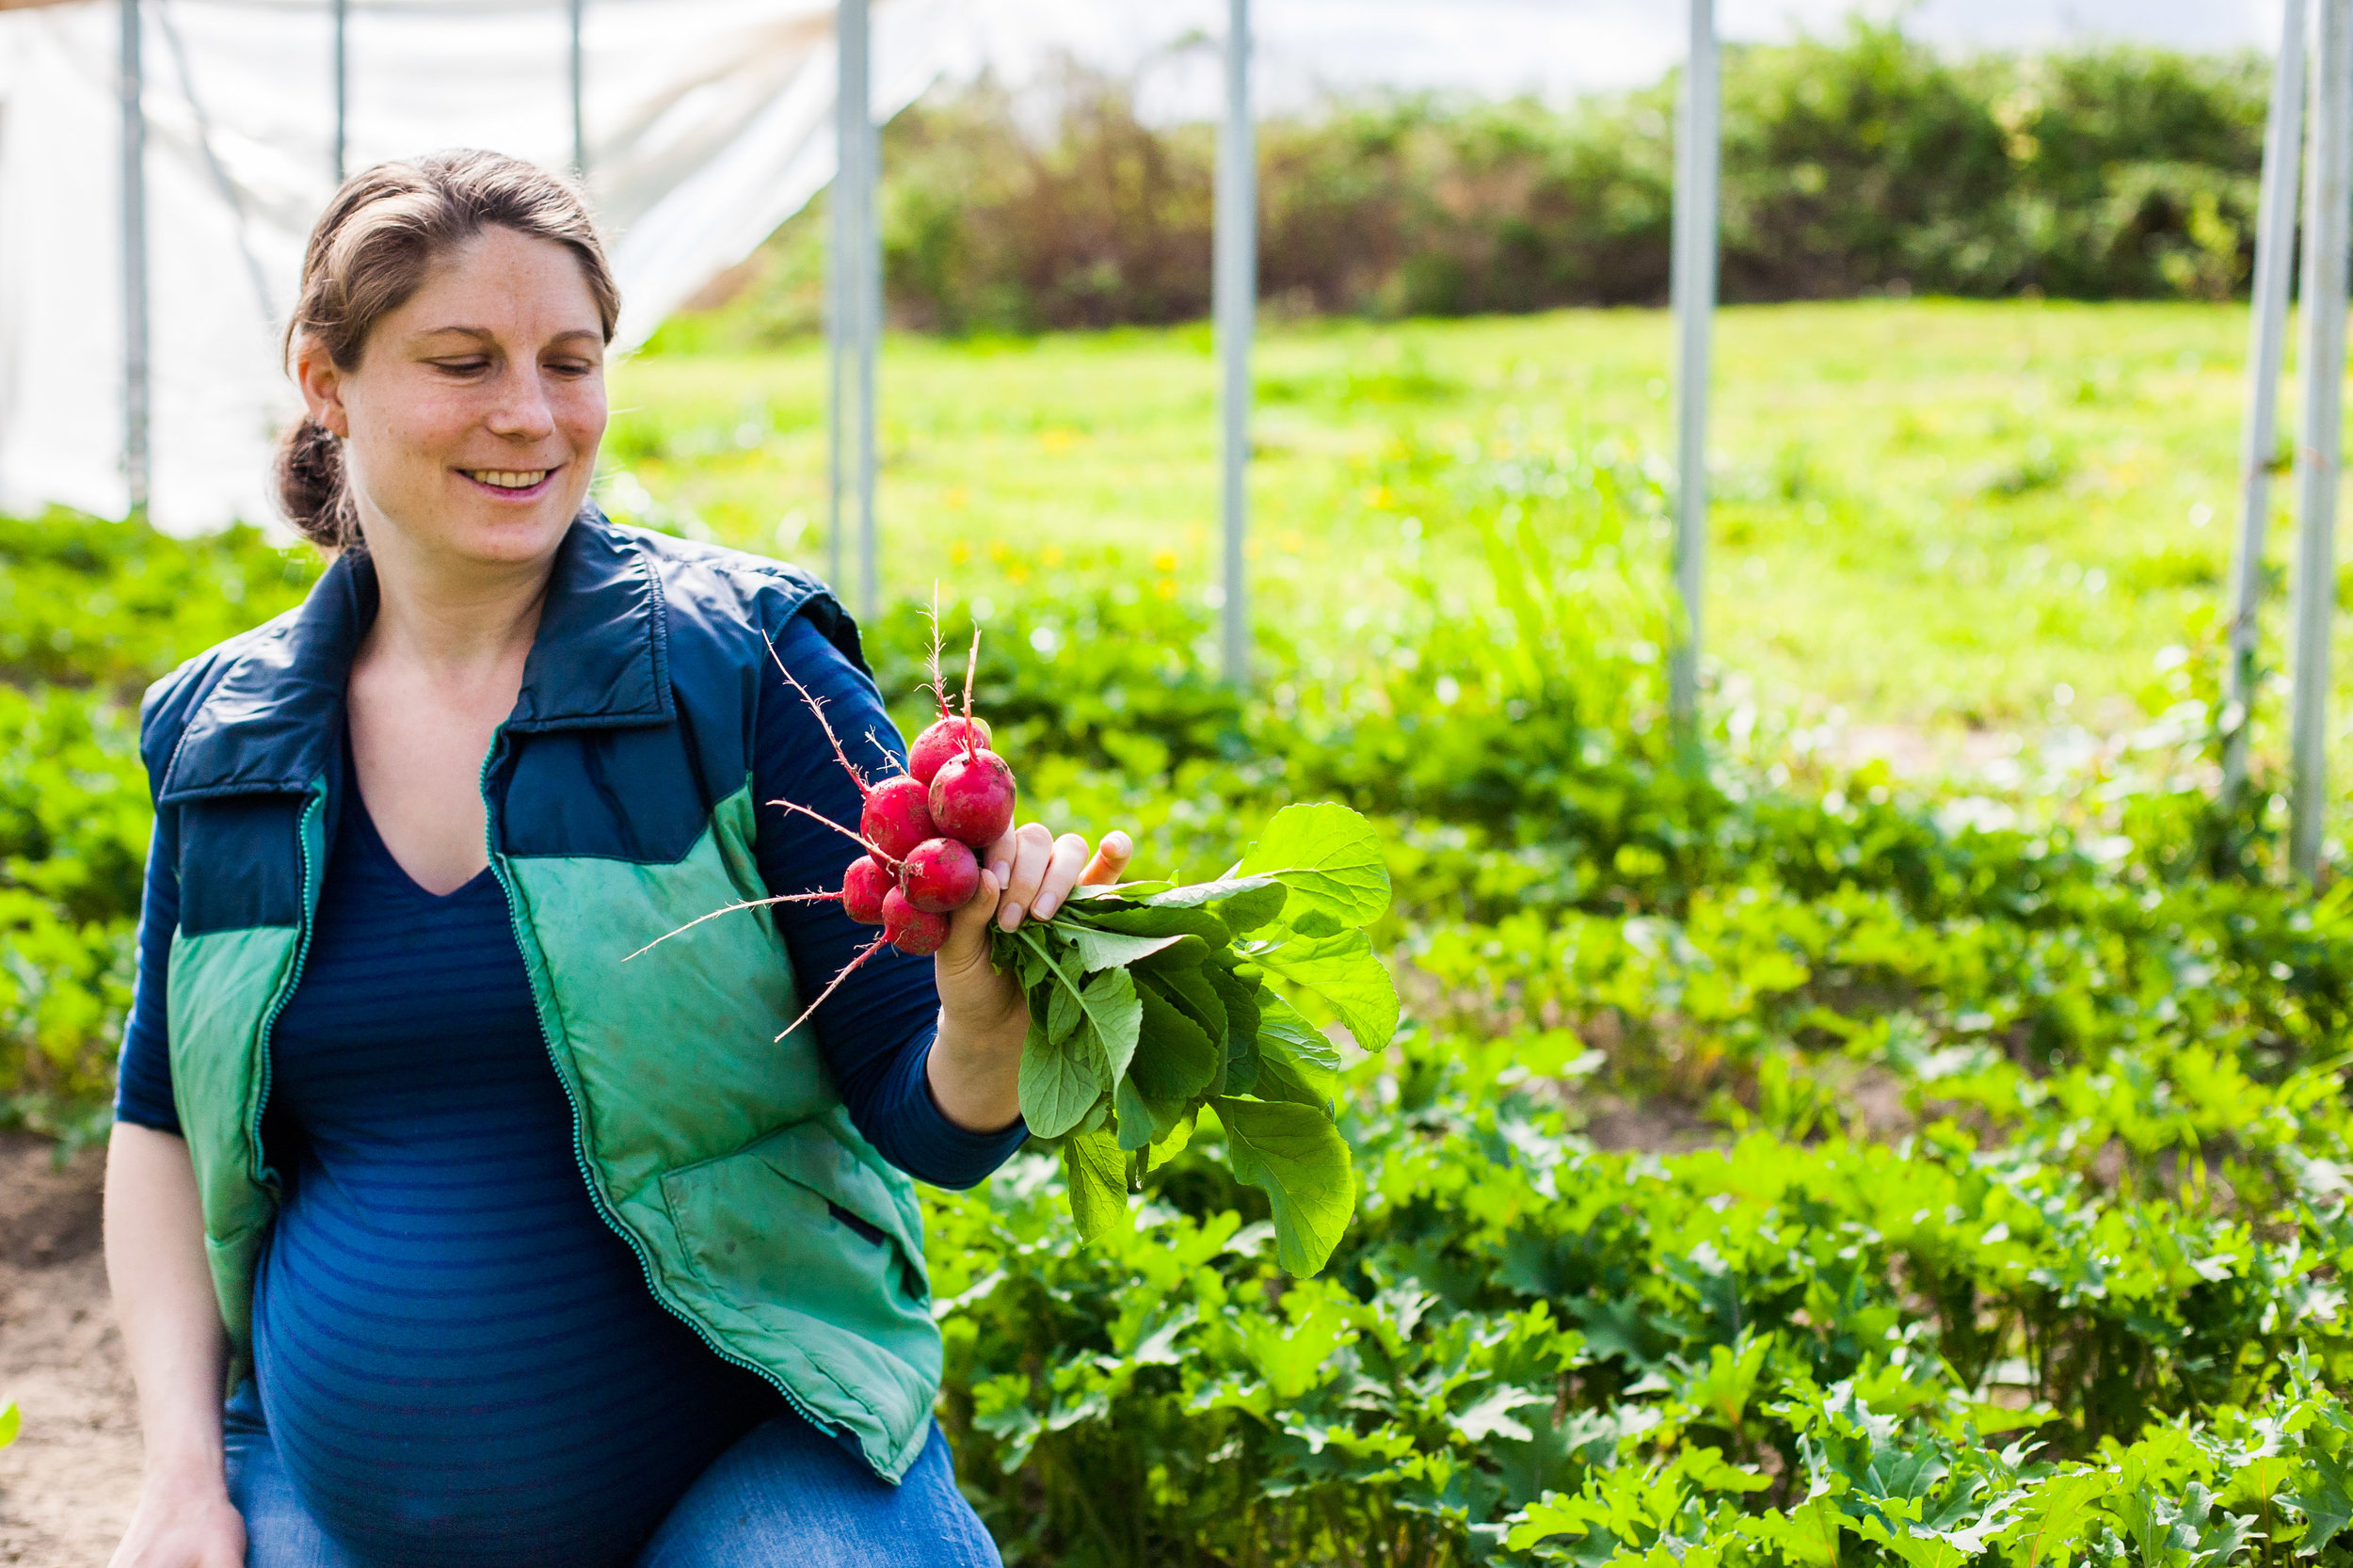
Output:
x=370 y=252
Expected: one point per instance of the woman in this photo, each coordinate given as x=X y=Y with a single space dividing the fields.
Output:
x=504 y=1252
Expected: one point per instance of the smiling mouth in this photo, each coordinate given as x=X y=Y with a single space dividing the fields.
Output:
x=509 y=481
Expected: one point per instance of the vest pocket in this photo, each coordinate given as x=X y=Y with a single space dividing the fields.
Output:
x=795 y=1217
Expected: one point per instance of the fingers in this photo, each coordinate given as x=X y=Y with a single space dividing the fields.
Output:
x=1062 y=874
x=967 y=929
x=998 y=858
x=1033 y=853
x=1111 y=861
x=1037 y=870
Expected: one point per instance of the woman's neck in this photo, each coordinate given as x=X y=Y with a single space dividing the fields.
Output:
x=454 y=621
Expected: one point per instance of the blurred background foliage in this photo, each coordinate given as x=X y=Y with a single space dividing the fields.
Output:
x=1862 y=163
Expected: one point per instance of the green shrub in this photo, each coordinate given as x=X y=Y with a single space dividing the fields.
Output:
x=1862 y=163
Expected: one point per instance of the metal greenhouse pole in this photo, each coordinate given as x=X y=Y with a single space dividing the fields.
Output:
x=2275 y=262
x=2328 y=218
x=343 y=88
x=131 y=85
x=853 y=307
x=1235 y=293
x=580 y=125
x=1693 y=287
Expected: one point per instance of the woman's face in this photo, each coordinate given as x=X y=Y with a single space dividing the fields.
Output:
x=473 y=419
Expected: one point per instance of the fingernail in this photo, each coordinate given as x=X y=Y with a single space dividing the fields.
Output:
x=1043 y=909
x=1001 y=871
x=1010 y=916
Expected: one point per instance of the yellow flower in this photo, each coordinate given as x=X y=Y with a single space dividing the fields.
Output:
x=959 y=552
x=1050 y=556
x=1164 y=561
x=1165 y=587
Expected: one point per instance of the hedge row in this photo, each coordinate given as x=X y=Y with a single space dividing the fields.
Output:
x=1862 y=163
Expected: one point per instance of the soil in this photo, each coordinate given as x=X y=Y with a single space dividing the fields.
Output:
x=67 y=1484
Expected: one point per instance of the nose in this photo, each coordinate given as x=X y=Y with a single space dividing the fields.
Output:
x=522 y=412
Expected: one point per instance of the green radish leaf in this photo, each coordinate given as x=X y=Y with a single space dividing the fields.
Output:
x=1112 y=950
x=1175 y=1143
x=1298 y=1159
x=1115 y=1015
x=1240 y=1001
x=1062 y=1013
x=1138 y=1126
x=1189 y=988
x=1280 y=1079
x=1185 y=954
x=1097 y=1174
x=1117 y=895
x=1060 y=1081
x=1296 y=1061
x=1343 y=971
x=1329 y=858
x=1174 y=1062
x=1243 y=902
x=1285 y=1034
x=1172 y=920
x=1317 y=923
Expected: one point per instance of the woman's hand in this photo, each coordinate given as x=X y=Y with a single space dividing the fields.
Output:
x=976 y=1062
x=189 y=1525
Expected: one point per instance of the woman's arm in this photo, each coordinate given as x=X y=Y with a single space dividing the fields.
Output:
x=172 y=1336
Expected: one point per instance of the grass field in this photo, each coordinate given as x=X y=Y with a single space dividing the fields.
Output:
x=1936 y=515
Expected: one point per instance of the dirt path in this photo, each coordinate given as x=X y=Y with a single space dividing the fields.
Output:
x=67 y=1484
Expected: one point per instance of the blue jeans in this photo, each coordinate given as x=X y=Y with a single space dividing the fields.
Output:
x=785 y=1495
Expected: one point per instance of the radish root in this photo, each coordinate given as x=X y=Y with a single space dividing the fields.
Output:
x=819 y=709
x=972 y=671
x=873 y=948
x=749 y=903
x=851 y=834
x=939 y=688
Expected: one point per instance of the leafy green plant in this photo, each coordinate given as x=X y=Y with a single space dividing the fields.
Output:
x=1152 y=1004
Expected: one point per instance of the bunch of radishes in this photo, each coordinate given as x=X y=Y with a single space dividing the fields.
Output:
x=923 y=830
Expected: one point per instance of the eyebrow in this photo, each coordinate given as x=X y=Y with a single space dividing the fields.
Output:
x=482 y=334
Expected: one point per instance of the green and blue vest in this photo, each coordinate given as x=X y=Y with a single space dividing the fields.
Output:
x=620 y=807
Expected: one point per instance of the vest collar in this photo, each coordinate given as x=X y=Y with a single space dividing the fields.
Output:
x=271 y=722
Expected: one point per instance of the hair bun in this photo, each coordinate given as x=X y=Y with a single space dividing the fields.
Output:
x=310 y=486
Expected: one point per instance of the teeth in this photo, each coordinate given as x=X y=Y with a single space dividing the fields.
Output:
x=508 y=479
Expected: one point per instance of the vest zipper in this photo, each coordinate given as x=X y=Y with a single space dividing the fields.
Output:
x=293 y=978
x=579 y=1152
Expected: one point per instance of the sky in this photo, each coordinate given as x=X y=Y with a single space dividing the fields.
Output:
x=1498 y=47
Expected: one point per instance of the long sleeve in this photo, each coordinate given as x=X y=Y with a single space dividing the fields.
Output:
x=876 y=1030
x=143 y=1078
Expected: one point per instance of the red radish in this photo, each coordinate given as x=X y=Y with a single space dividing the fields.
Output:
x=914 y=932
x=862 y=888
x=896 y=818
x=941 y=741
x=972 y=797
x=940 y=874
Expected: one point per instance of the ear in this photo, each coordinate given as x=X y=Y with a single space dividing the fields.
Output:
x=322 y=386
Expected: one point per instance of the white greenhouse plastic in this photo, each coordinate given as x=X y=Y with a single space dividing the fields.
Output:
x=706 y=123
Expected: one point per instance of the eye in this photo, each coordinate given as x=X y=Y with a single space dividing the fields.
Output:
x=472 y=365
x=573 y=368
